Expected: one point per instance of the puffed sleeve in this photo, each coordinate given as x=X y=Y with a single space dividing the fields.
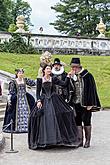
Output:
x=38 y=89
x=11 y=90
x=30 y=82
x=12 y=87
x=60 y=82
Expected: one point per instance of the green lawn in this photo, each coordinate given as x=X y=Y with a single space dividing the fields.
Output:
x=99 y=66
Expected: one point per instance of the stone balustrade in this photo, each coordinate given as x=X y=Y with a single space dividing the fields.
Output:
x=57 y=44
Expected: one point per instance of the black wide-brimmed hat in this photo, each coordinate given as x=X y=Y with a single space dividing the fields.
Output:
x=57 y=61
x=75 y=62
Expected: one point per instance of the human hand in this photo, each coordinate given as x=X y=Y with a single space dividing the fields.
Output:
x=71 y=73
x=9 y=103
x=89 y=108
x=39 y=104
x=9 y=100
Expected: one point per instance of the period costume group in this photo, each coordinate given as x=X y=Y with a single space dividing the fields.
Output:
x=62 y=110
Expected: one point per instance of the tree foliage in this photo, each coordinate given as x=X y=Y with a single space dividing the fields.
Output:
x=107 y=34
x=21 y=8
x=10 y=9
x=18 y=44
x=5 y=19
x=12 y=28
x=81 y=14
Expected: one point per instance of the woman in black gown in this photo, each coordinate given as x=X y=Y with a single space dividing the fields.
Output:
x=55 y=125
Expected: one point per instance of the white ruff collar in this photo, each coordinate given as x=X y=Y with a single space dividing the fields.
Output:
x=58 y=72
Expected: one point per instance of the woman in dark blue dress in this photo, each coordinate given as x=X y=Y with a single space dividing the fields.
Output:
x=51 y=122
x=19 y=104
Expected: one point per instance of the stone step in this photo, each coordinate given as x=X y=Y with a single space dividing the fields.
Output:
x=2 y=141
x=1 y=117
x=2 y=111
x=3 y=98
x=2 y=105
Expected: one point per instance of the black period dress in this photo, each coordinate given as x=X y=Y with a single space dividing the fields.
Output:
x=56 y=126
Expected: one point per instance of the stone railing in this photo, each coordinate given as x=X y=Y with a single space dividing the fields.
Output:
x=58 y=44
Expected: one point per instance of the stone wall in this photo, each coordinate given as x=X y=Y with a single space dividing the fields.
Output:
x=64 y=44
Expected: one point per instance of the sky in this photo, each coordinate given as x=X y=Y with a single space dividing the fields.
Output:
x=42 y=15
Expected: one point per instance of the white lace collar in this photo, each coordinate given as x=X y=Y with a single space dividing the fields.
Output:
x=59 y=71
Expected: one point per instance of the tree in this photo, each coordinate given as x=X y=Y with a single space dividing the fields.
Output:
x=10 y=9
x=21 y=8
x=107 y=34
x=17 y=44
x=12 y=28
x=81 y=14
x=5 y=18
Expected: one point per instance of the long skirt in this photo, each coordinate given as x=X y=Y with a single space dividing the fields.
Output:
x=54 y=125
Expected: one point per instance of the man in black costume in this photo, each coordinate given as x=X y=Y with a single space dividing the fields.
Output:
x=83 y=95
x=59 y=72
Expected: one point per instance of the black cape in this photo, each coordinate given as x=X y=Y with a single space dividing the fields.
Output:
x=89 y=96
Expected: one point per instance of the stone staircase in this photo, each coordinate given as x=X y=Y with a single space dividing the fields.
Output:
x=2 y=113
x=2 y=109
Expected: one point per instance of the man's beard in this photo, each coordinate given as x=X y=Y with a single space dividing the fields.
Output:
x=57 y=69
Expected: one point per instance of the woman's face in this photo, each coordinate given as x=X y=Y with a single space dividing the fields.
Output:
x=47 y=70
x=20 y=74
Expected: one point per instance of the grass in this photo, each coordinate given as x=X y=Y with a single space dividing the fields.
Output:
x=99 y=66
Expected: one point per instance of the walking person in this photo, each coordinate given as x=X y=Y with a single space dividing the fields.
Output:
x=19 y=104
x=83 y=96
x=52 y=122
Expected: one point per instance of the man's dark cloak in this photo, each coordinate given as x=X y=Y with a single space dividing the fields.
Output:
x=89 y=95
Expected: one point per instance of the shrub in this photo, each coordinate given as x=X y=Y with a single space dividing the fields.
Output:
x=17 y=44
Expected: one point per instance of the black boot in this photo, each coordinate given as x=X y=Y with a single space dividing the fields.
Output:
x=80 y=131
x=87 y=130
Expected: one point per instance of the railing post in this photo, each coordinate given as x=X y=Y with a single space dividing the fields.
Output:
x=11 y=149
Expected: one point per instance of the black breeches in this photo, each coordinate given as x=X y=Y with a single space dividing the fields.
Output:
x=83 y=116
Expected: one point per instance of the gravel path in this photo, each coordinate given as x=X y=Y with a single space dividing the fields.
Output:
x=97 y=154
